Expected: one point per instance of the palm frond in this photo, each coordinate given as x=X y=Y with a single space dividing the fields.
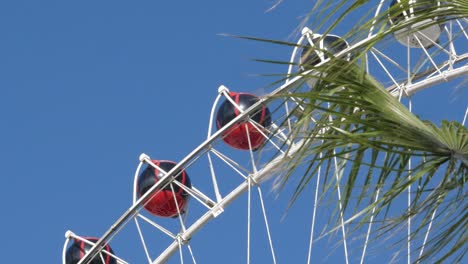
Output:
x=356 y=120
x=364 y=136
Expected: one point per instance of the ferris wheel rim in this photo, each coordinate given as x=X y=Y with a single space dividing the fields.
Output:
x=207 y=217
x=205 y=146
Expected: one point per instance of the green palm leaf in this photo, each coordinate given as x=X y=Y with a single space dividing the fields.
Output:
x=365 y=135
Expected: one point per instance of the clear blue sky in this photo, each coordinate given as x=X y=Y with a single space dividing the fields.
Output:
x=86 y=86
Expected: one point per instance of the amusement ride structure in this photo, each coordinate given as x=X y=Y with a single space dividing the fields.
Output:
x=250 y=139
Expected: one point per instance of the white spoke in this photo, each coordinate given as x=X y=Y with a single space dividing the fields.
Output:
x=410 y=107
x=369 y=227
x=339 y=170
x=389 y=59
x=213 y=178
x=230 y=163
x=140 y=234
x=314 y=213
x=249 y=194
x=180 y=250
x=191 y=254
x=462 y=28
x=267 y=226
x=426 y=236
x=159 y=227
x=385 y=69
x=464 y=118
x=428 y=56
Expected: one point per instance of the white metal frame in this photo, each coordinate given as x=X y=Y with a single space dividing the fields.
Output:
x=451 y=68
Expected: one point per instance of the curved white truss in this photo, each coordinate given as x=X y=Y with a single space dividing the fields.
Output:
x=444 y=65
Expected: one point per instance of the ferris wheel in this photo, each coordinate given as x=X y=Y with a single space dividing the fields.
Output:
x=250 y=140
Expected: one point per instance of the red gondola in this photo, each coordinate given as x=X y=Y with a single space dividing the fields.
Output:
x=79 y=248
x=239 y=134
x=164 y=202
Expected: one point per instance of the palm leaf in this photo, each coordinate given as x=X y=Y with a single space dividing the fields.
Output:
x=358 y=121
x=362 y=134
